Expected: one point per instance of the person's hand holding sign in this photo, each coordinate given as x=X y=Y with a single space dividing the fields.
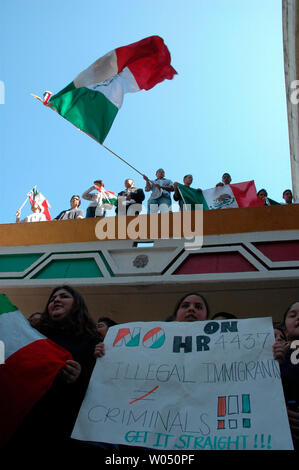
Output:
x=99 y=350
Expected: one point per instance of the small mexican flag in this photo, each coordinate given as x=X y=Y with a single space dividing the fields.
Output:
x=108 y=197
x=91 y=101
x=222 y=197
x=29 y=363
x=36 y=196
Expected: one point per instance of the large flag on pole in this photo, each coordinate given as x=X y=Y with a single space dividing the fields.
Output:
x=27 y=370
x=222 y=197
x=36 y=196
x=91 y=101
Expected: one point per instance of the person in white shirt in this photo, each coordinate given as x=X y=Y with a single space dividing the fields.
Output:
x=36 y=216
x=96 y=208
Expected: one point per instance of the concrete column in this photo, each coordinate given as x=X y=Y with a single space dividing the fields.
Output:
x=290 y=19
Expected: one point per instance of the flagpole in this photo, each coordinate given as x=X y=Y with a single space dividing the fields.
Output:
x=122 y=159
x=109 y=150
x=20 y=208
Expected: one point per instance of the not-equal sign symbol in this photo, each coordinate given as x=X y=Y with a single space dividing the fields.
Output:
x=143 y=397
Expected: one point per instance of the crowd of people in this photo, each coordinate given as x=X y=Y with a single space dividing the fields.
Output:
x=67 y=321
x=129 y=201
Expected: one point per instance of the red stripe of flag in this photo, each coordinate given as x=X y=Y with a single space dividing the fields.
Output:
x=245 y=194
x=148 y=60
x=24 y=378
x=46 y=209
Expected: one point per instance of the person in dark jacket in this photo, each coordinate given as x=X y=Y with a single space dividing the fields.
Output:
x=74 y=212
x=129 y=201
x=285 y=352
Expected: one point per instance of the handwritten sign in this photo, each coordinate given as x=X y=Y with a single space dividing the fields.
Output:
x=207 y=385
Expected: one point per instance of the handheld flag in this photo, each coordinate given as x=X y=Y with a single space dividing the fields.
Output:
x=108 y=197
x=36 y=196
x=91 y=101
x=31 y=363
x=222 y=197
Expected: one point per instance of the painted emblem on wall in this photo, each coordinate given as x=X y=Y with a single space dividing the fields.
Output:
x=140 y=261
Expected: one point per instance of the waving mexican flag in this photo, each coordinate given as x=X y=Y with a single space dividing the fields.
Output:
x=92 y=100
x=36 y=196
x=222 y=197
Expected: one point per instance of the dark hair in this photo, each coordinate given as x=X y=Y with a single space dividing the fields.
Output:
x=183 y=298
x=189 y=174
x=286 y=191
x=77 y=323
x=262 y=190
x=77 y=195
x=108 y=321
x=286 y=312
x=99 y=181
x=224 y=314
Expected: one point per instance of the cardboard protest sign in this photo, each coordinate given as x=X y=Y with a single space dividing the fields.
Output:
x=206 y=385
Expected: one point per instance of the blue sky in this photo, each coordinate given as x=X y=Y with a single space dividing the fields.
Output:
x=224 y=111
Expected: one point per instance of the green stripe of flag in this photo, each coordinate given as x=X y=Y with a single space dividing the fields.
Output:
x=5 y=305
x=108 y=200
x=192 y=196
x=87 y=109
